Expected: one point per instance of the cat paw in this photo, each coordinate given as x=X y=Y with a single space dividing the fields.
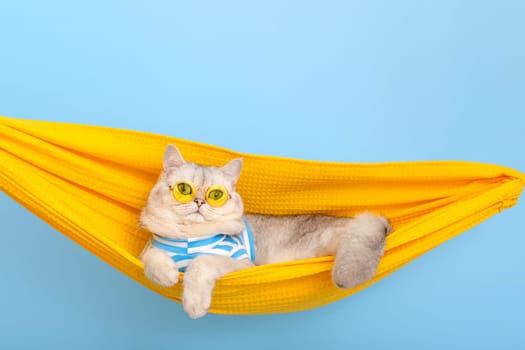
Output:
x=196 y=304
x=160 y=268
x=163 y=275
x=346 y=277
x=360 y=250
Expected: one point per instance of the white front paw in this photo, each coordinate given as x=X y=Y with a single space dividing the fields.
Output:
x=196 y=303
x=160 y=268
x=165 y=276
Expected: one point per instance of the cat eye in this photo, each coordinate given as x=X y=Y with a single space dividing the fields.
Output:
x=184 y=188
x=217 y=196
x=184 y=191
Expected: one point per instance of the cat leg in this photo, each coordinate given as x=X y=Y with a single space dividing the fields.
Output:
x=359 y=250
x=199 y=281
x=159 y=267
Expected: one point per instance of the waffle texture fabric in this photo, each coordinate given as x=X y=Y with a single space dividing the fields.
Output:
x=90 y=183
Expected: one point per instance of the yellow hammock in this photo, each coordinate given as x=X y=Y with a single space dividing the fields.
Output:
x=91 y=182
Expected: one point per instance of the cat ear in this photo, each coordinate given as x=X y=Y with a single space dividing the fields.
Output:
x=172 y=158
x=233 y=169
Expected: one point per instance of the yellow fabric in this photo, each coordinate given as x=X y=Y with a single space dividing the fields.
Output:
x=91 y=182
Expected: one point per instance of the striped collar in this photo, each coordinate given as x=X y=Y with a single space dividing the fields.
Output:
x=182 y=251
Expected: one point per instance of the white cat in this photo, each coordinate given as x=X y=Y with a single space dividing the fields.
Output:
x=199 y=226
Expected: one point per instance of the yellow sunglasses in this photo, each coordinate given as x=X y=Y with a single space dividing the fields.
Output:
x=184 y=192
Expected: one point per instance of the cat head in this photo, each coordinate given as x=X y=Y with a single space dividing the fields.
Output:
x=191 y=200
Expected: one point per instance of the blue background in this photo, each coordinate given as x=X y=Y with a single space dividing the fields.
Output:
x=358 y=81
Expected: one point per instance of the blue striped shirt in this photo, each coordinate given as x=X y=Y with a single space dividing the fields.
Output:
x=182 y=251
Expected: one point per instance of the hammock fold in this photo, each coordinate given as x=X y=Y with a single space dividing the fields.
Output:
x=90 y=183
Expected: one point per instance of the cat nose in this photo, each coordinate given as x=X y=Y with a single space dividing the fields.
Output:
x=199 y=202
